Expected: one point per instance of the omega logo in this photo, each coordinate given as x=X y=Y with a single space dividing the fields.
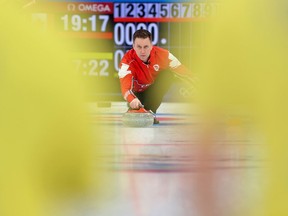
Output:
x=89 y=7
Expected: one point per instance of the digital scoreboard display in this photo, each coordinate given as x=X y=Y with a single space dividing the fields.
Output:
x=103 y=32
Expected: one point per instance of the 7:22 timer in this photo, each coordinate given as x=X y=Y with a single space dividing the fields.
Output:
x=92 y=67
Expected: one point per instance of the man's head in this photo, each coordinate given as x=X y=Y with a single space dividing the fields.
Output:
x=142 y=44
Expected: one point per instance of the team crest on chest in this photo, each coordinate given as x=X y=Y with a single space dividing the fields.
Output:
x=156 y=67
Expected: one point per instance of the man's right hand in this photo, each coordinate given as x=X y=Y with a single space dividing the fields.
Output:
x=135 y=104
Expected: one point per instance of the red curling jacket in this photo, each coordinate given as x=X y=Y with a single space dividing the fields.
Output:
x=137 y=76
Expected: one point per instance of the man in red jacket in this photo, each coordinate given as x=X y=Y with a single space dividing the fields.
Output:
x=146 y=73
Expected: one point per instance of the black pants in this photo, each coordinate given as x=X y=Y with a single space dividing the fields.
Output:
x=152 y=97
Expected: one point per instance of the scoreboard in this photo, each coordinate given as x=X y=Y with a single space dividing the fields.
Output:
x=102 y=31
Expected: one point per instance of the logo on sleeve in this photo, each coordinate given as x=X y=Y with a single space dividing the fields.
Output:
x=156 y=67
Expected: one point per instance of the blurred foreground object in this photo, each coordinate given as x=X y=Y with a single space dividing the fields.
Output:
x=46 y=144
x=243 y=71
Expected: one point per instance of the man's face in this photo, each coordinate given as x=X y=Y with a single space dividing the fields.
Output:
x=143 y=48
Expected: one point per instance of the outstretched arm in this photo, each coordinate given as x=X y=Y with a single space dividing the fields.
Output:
x=126 y=82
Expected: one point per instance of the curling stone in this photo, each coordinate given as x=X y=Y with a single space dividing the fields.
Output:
x=138 y=118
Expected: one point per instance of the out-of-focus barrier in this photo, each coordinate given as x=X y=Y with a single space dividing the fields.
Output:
x=48 y=155
x=243 y=72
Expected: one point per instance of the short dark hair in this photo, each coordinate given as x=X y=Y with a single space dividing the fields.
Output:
x=142 y=33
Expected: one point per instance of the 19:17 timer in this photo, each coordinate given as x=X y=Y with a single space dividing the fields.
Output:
x=77 y=22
